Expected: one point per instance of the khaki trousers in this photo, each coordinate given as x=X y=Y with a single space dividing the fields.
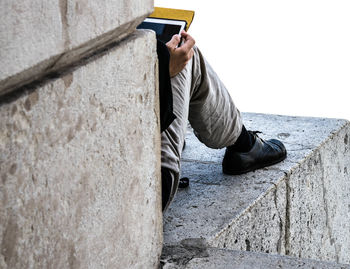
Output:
x=200 y=98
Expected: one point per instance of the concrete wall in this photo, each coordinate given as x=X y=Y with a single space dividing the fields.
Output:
x=80 y=156
x=80 y=166
x=319 y=205
x=39 y=36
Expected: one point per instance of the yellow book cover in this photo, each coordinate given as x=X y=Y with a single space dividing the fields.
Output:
x=173 y=14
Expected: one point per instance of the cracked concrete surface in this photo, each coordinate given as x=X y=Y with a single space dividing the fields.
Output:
x=299 y=207
x=213 y=258
x=80 y=166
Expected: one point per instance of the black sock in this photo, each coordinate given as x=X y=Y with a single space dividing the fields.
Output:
x=244 y=143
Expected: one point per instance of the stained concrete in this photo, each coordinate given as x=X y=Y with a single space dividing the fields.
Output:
x=37 y=37
x=300 y=207
x=80 y=169
x=192 y=254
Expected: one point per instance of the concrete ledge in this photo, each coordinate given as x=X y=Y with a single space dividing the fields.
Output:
x=80 y=166
x=194 y=255
x=38 y=37
x=300 y=207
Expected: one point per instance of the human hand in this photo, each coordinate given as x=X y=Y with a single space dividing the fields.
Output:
x=179 y=56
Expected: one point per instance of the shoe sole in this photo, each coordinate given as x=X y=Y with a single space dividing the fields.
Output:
x=256 y=167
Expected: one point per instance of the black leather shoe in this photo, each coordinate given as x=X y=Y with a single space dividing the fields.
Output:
x=262 y=154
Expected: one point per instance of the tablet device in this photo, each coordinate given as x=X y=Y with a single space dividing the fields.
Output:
x=164 y=28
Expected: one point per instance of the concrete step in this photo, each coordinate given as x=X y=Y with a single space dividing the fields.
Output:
x=300 y=207
x=192 y=255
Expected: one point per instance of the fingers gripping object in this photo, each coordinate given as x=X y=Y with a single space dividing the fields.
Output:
x=180 y=56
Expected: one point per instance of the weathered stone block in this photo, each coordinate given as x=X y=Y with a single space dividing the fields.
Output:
x=39 y=36
x=299 y=207
x=80 y=166
x=194 y=256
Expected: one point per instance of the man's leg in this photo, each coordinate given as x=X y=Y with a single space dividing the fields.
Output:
x=215 y=119
x=217 y=123
x=200 y=96
x=173 y=137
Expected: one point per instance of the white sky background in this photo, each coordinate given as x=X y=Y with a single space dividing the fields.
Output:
x=276 y=56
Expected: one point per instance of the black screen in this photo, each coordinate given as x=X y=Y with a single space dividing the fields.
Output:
x=164 y=32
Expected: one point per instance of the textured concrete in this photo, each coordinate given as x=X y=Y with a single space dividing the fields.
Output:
x=191 y=254
x=300 y=207
x=37 y=37
x=80 y=171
